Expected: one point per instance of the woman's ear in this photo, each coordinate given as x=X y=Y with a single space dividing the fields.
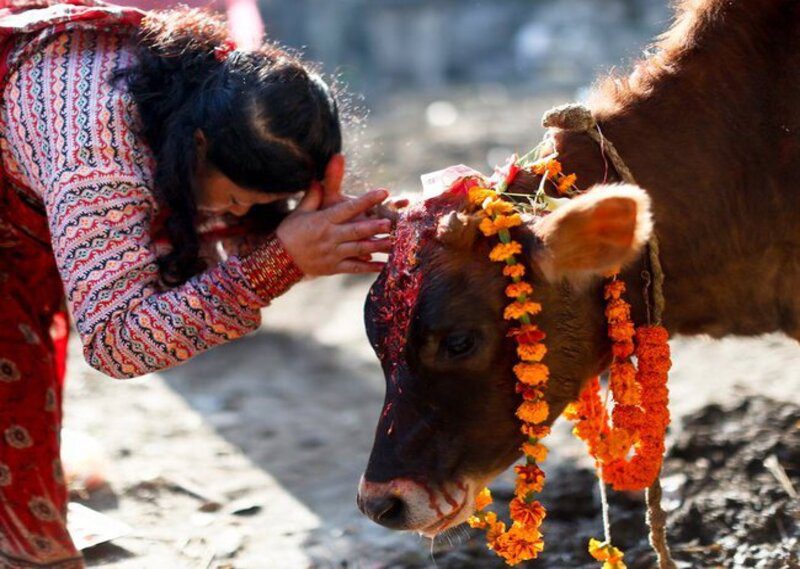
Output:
x=201 y=143
x=594 y=233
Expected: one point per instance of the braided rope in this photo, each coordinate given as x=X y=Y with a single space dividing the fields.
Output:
x=577 y=118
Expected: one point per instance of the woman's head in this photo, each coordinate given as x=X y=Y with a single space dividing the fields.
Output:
x=228 y=132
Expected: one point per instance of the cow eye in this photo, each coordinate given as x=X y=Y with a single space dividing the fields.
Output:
x=458 y=344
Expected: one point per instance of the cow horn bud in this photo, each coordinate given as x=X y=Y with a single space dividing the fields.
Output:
x=388 y=210
x=456 y=229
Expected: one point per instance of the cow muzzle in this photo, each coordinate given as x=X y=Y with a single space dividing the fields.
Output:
x=413 y=505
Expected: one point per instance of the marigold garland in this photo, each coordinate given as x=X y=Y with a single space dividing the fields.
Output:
x=522 y=541
x=628 y=449
x=640 y=416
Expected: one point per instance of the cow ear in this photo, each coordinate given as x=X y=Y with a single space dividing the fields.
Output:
x=594 y=233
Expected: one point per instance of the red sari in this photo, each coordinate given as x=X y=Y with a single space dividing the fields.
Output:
x=33 y=343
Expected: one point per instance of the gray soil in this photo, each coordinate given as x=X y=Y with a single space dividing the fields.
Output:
x=249 y=456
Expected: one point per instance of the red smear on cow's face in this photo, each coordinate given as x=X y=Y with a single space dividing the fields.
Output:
x=391 y=312
x=396 y=293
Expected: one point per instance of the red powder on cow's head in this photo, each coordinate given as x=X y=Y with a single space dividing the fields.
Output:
x=402 y=277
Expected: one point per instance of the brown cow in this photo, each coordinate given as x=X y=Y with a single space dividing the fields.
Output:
x=710 y=127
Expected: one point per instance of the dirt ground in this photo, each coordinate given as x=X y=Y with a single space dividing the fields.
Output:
x=249 y=456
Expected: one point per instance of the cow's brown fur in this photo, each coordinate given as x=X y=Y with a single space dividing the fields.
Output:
x=710 y=126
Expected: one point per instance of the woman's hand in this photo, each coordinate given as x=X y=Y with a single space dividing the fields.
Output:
x=334 y=240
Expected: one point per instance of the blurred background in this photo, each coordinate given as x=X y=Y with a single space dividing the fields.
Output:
x=249 y=456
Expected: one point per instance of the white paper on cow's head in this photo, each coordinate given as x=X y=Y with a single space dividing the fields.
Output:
x=435 y=183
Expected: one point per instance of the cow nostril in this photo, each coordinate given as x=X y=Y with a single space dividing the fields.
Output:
x=389 y=511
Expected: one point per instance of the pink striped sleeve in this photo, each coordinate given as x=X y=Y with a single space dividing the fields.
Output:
x=70 y=138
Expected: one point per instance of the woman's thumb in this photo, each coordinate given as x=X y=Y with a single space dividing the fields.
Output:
x=312 y=200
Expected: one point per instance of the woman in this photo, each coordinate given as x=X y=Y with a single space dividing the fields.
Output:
x=121 y=134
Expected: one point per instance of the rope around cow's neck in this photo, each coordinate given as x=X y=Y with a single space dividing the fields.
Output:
x=578 y=118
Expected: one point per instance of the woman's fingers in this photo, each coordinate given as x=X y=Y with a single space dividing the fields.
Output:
x=358 y=230
x=364 y=248
x=354 y=266
x=347 y=210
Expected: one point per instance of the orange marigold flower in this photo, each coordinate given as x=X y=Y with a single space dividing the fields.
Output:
x=517 y=310
x=566 y=183
x=516 y=271
x=531 y=352
x=527 y=514
x=621 y=331
x=622 y=350
x=507 y=221
x=537 y=451
x=623 y=383
x=498 y=207
x=504 y=251
x=487 y=227
x=518 y=544
x=616 y=445
x=483 y=499
x=535 y=431
x=533 y=411
x=478 y=195
x=652 y=335
x=614 y=289
x=532 y=373
x=516 y=289
x=617 y=310
x=550 y=166
x=496 y=529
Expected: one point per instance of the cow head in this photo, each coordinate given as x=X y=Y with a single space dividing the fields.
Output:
x=434 y=318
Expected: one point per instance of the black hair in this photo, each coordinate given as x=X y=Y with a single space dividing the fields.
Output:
x=270 y=122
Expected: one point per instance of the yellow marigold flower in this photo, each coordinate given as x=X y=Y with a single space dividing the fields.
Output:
x=507 y=221
x=537 y=452
x=483 y=499
x=572 y=412
x=476 y=522
x=498 y=206
x=516 y=271
x=532 y=374
x=487 y=227
x=531 y=352
x=516 y=289
x=478 y=195
x=533 y=411
x=517 y=310
x=566 y=183
x=504 y=251
x=606 y=552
